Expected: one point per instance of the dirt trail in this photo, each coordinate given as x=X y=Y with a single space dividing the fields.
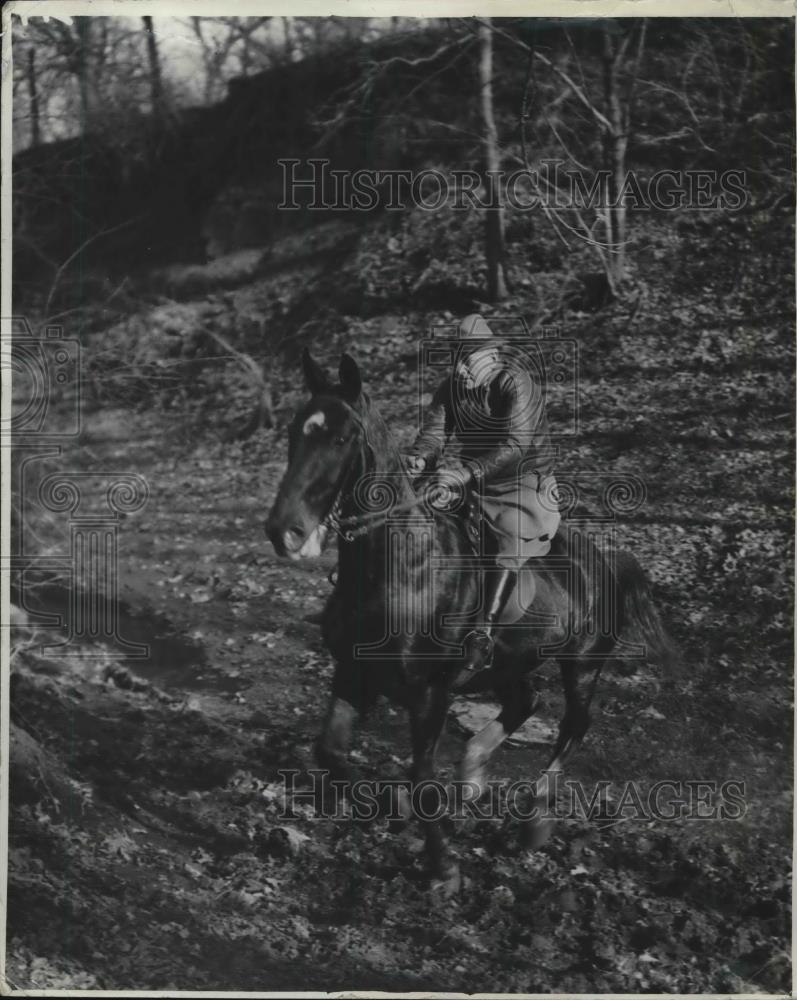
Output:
x=149 y=846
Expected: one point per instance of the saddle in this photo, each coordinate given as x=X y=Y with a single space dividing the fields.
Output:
x=476 y=528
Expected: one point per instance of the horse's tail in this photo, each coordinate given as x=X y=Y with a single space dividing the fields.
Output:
x=639 y=612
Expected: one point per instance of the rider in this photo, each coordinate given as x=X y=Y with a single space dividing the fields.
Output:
x=493 y=404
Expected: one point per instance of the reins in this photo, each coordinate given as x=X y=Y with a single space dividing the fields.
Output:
x=355 y=526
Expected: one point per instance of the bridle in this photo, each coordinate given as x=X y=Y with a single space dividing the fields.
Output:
x=355 y=526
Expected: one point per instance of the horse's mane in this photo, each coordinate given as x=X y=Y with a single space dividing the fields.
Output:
x=386 y=457
x=379 y=442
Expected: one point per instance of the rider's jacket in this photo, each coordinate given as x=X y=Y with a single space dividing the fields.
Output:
x=500 y=426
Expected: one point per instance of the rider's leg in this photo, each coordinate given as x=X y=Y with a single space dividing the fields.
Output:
x=523 y=527
x=479 y=643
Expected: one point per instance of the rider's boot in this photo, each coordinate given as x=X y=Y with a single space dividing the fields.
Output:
x=479 y=643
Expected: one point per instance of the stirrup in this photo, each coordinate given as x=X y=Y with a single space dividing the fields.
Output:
x=479 y=652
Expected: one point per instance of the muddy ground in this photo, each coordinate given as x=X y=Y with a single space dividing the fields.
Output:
x=148 y=844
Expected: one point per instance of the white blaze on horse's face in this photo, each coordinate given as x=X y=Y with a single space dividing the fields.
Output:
x=315 y=542
x=315 y=422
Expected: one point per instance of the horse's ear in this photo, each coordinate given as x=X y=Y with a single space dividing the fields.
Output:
x=349 y=375
x=314 y=375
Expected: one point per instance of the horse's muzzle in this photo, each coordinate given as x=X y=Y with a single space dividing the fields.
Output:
x=284 y=539
x=294 y=541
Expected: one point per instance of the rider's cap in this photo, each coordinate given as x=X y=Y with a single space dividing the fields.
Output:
x=474 y=327
x=477 y=355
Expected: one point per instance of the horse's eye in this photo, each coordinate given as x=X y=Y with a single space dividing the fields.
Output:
x=339 y=441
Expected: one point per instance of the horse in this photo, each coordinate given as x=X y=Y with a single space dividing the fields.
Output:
x=409 y=589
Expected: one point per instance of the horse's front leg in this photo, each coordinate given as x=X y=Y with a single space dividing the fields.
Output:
x=332 y=746
x=347 y=704
x=428 y=709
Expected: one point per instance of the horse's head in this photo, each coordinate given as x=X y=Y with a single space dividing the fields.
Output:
x=324 y=444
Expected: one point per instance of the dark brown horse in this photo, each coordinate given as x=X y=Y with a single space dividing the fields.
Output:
x=409 y=588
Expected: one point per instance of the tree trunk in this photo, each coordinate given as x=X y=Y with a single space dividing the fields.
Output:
x=608 y=140
x=156 y=80
x=618 y=144
x=81 y=68
x=494 y=218
x=33 y=95
x=618 y=108
x=245 y=53
x=287 y=28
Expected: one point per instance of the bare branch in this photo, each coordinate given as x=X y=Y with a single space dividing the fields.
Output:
x=681 y=96
x=421 y=60
x=76 y=253
x=604 y=121
x=245 y=360
x=576 y=57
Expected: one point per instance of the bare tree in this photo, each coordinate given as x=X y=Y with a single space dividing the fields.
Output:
x=290 y=42
x=250 y=50
x=215 y=52
x=79 y=62
x=235 y=46
x=603 y=107
x=33 y=97
x=494 y=220
x=156 y=80
x=87 y=74
x=619 y=83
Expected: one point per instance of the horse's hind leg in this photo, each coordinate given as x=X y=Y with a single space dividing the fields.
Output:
x=579 y=687
x=517 y=704
x=428 y=710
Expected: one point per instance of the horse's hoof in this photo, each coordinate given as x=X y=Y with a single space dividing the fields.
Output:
x=449 y=884
x=536 y=832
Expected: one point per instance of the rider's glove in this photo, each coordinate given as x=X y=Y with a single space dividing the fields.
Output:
x=416 y=465
x=447 y=488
